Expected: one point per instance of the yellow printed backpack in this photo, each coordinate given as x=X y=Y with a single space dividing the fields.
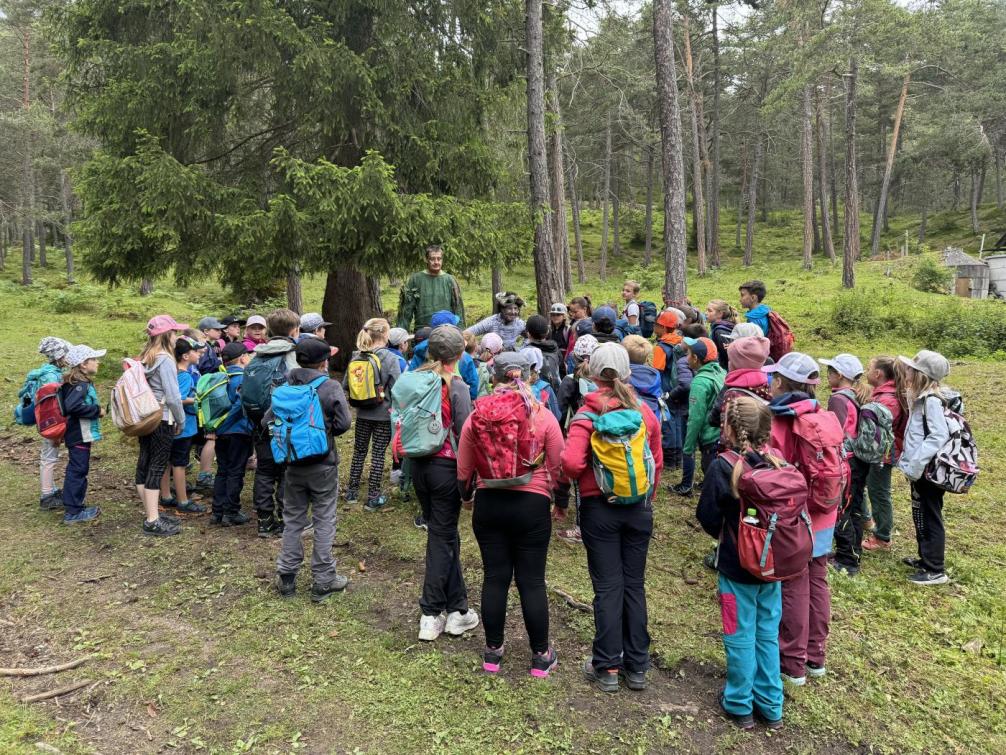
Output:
x=623 y=464
x=363 y=377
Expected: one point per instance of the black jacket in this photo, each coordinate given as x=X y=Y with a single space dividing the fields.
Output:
x=333 y=404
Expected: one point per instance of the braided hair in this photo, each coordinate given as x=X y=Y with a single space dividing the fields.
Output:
x=750 y=423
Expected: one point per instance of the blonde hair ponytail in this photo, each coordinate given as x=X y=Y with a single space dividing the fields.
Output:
x=374 y=332
x=622 y=392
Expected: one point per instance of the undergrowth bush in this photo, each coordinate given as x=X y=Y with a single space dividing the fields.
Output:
x=932 y=276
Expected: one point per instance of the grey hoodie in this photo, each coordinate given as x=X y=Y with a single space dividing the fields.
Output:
x=162 y=377
x=279 y=345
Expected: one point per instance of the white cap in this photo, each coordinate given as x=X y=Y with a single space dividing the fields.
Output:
x=558 y=309
x=846 y=365
x=256 y=320
x=79 y=354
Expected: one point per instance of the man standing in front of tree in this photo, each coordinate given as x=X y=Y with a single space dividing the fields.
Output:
x=429 y=291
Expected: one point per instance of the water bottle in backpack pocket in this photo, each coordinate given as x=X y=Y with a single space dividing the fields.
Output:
x=299 y=435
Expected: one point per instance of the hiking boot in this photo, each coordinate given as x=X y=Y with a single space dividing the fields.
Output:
x=431 y=627
x=375 y=504
x=606 y=681
x=572 y=536
x=925 y=577
x=773 y=724
x=815 y=671
x=51 y=501
x=173 y=520
x=743 y=721
x=160 y=528
x=188 y=507
x=634 y=680
x=286 y=585
x=492 y=658
x=319 y=592
x=235 y=520
x=850 y=570
x=168 y=503
x=420 y=522
x=915 y=563
x=681 y=490
x=350 y=496
x=796 y=681
x=874 y=543
x=216 y=520
x=269 y=527
x=204 y=482
x=542 y=664
x=458 y=623
x=85 y=515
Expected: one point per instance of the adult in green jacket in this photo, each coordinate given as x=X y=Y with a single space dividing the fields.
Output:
x=707 y=381
x=428 y=292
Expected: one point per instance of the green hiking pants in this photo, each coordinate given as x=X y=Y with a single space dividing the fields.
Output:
x=878 y=485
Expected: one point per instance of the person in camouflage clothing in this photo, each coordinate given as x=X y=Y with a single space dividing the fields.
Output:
x=429 y=291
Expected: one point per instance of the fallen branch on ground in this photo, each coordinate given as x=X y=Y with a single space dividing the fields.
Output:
x=95 y=579
x=570 y=600
x=45 y=669
x=56 y=692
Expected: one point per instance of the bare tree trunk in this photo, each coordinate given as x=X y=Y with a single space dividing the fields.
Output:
x=977 y=188
x=818 y=247
x=606 y=194
x=497 y=284
x=581 y=273
x=557 y=188
x=753 y=200
x=146 y=287
x=888 y=168
x=807 y=164
x=999 y=183
x=648 y=248
x=27 y=168
x=822 y=179
x=698 y=198
x=832 y=172
x=616 y=232
x=548 y=282
x=43 y=260
x=714 y=188
x=346 y=313
x=741 y=191
x=66 y=197
x=850 y=240
x=294 y=290
x=675 y=251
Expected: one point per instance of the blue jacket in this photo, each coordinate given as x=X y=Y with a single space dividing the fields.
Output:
x=466 y=367
x=543 y=392
x=759 y=316
x=402 y=364
x=187 y=389
x=235 y=423
x=646 y=381
x=81 y=409
x=208 y=362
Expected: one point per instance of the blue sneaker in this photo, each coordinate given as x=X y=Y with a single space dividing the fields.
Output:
x=375 y=504
x=91 y=512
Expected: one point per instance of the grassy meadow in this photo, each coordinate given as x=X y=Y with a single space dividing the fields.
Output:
x=193 y=651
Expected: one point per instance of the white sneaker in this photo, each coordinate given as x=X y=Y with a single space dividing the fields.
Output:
x=458 y=623
x=431 y=627
x=796 y=681
x=396 y=477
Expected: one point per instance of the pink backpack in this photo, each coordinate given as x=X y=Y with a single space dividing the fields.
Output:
x=820 y=457
x=780 y=545
x=506 y=450
x=135 y=409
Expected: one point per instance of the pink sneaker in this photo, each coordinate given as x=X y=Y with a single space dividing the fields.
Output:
x=543 y=663
x=571 y=536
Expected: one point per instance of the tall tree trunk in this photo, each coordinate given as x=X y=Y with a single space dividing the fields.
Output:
x=714 y=168
x=822 y=179
x=807 y=164
x=346 y=313
x=977 y=188
x=294 y=290
x=999 y=183
x=605 y=195
x=675 y=251
x=497 y=284
x=548 y=282
x=557 y=188
x=66 y=198
x=648 y=222
x=698 y=197
x=753 y=200
x=888 y=169
x=832 y=172
x=850 y=240
x=581 y=272
x=818 y=247
x=43 y=260
x=616 y=226
x=957 y=190
x=27 y=199
x=741 y=191
x=146 y=287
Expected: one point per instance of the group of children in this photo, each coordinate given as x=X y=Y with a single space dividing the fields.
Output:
x=538 y=435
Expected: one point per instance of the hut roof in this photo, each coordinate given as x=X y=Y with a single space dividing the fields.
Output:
x=953 y=257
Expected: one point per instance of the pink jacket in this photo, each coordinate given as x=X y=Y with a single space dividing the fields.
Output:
x=545 y=477
x=887 y=394
x=576 y=456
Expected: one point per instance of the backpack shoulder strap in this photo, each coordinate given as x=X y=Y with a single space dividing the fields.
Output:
x=590 y=416
x=316 y=383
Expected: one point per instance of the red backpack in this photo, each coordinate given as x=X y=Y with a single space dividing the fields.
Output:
x=781 y=544
x=49 y=413
x=780 y=336
x=506 y=450
x=820 y=456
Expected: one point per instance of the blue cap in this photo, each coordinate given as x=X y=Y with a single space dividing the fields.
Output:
x=444 y=317
x=604 y=313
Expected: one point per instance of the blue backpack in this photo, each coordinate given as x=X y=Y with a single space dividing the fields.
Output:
x=261 y=378
x=647 y=318
x=298 y=428
x=24 y=412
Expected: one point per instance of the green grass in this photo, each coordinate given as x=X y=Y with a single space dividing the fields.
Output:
x=196 y=654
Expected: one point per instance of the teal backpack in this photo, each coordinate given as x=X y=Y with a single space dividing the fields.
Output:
x=24 y=412
x=416 y=410
x=298 y=428
x=213 y=403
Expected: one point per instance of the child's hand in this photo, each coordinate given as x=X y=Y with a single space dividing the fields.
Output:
x=101 y=412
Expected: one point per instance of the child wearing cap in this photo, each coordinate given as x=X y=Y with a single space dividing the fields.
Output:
x=465 y=367
x=158 y=359
x=232 y=329
x=373 y=423
x=212 y=331
x=848 y=394
x=604 y=319
x=926 y=433
x=186 y=355
x=558 y=329
x=882 y=374
x=255 y=332
x=540 y=387
x=490 y=345
x=82 y=411
x=55 y=351
x=806 y=600
x=707 y=381
x=234 y=444
x=313 y=325
x=398 y=342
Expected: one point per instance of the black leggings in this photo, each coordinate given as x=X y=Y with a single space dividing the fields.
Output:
x=155 y=452
x=513 y=529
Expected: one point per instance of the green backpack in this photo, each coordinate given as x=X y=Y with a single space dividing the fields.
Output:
x=213 y=404
x=417 y=413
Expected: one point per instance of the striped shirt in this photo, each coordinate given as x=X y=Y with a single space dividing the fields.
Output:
x=508 y=332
